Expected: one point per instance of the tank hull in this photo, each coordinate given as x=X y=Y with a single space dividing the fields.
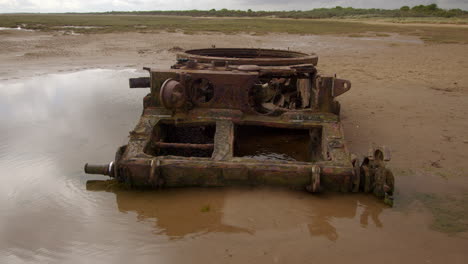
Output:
x=217 y=121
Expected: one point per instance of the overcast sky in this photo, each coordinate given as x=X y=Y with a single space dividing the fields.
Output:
x=9 y=6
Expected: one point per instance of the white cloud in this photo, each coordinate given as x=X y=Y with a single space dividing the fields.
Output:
x=8 y=6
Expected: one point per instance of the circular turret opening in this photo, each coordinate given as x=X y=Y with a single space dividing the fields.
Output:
x=261 y=57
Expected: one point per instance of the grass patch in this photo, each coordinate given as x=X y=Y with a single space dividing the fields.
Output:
x=205 y=209
x=192 y=25
x=382 y=35
x=428 y=20
x=450 y=213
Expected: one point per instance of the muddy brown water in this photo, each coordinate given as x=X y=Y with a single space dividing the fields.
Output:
x=51 y=125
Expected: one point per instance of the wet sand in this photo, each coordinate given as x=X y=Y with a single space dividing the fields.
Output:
x=408 y=95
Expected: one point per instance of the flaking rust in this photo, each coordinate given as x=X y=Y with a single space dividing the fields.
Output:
x=222 y=117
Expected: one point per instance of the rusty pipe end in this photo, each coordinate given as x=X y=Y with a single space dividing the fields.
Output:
x=103 y=169
x=141 y=82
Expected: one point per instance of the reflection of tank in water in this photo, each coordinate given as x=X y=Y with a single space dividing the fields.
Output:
x=322 y=221
x=244 y=116
x=178 y=213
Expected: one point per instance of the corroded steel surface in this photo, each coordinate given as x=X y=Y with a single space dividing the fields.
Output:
x=260 y=57
x=245 y=117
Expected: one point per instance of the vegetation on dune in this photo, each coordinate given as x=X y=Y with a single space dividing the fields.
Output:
x=146 y=22
x=431 y=10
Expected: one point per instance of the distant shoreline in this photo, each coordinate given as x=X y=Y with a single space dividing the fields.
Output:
x=421 y=11
x=430 y=30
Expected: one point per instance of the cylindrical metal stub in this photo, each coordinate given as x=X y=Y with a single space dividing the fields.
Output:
x=103 y=169
x=141 y=82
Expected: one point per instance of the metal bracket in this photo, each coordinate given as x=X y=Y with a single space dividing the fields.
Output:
x=373 y=150
x=314 y=180
x=154 y=172
x=340 y=86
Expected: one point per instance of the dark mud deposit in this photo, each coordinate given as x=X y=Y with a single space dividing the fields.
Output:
x=51 y=125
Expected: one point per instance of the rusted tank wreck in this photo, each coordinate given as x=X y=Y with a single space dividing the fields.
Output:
x=223 y=117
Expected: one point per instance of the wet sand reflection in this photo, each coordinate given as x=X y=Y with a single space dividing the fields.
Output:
x=178 y=213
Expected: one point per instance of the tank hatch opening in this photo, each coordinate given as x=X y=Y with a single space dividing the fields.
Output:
x=186 y=140
x=272 y=143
